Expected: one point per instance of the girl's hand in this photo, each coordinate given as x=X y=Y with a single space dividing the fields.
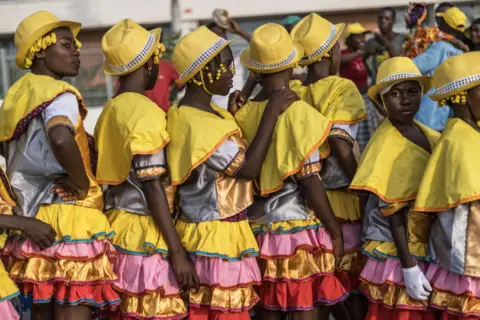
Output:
x=338 y=248
x=187 y=277
x=68 y=190
x=39 y=232
x=235 y=101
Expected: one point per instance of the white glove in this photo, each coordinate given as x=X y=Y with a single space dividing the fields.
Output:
x=417 y=284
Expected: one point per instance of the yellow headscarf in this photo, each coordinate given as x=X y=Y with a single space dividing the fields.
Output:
x=392 y=166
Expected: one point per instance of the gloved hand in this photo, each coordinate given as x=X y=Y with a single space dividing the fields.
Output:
x=417 y=284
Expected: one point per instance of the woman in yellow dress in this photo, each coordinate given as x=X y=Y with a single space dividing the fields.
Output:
x=300 y=240
x=152 y=265
x=47 y=149
x=390 y=170
x=450 y=190
x=212 y=167
x=339 y=100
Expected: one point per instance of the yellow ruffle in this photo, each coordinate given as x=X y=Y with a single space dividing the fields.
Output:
x=353 y=262
x=153 y=305
x=391 y=296
x=136 y=234
x=8 y=289
x=218 y=239
x=75 y=223
x=130 y=124
x=345 y=205
x=227 y=300
x=455 y=304
x=301 y=266
x=37 y=269
x=380 y=250
x=290 y=226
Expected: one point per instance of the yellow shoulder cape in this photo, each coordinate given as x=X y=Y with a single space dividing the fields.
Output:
x=298 y=132
x=196 y=134
x=452 y=176
x=391 y=166
x=130 y=124
x=5 y=192
x=30 y=95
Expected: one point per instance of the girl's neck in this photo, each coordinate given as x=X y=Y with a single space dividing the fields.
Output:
x=40 y=70
x=402 y=126
x=197 y=97
x=317 y=71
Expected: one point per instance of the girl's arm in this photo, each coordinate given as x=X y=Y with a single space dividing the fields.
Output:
x=39 y=232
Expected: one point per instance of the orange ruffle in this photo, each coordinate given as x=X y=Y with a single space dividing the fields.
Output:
x=379 y=312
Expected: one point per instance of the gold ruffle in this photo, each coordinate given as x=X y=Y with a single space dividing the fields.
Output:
x=60 y=121
x=153 y=305
x=345 y=205
x=391 y=295
x=153 y=172
x=290 y=226
x=240 y=158
x=457 y=304
x=300 y=266
x=308 y=170
x=335 y=132
x=381 y=250
x=39 y=269
x=229 y=300
x=353 y=262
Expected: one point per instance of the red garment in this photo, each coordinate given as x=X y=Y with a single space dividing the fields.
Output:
x=355 y=70
x=377 y=311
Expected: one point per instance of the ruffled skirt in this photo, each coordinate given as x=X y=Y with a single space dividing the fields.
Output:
x=223 y=253
x=383 y=284
x=298 y=266
x=346 y=208
x=77 y=268
x=146 y=282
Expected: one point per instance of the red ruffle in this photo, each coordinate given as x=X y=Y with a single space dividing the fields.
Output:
x=204 y=313
x=448 y=316
x=349 y=280
x=377 y=311
x=95 y=295
x=291 y=296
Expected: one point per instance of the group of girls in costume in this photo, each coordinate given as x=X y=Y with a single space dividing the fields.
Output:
x=254 y=211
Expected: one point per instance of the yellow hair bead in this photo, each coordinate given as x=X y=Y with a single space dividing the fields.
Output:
x=39 y=45
x=157 y=53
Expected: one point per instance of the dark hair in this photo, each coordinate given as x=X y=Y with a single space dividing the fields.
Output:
x=212 y=25
x=391 y=10
x=443 y=5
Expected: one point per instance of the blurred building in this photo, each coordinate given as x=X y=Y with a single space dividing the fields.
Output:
x=179 y=15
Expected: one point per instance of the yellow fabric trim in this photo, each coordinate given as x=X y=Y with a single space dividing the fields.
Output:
x=345 y=205
x=391 y=166
x=451 y=176
x=298 y=132
x=308 y=170
x=196 y=134
x=339 y=133
x=5 y=190
x=130 y=124
x=7 y=287
x=153 y=305
x=393 y=208
x=154 y=172
x=227 y=300
x=59 y=121
x=28 y=93
x=382 y=250
x=286 y=226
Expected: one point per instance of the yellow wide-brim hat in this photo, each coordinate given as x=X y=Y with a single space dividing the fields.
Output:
x=317 y=35
x=455 y=18
x=271 y=50
x=355 y=28
x=127 y=46
x=396 y=70
x=455 y=75
x=34 y=27
x=194 y=51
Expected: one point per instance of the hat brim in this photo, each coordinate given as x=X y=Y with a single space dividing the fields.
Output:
x=437 y=96
x=245 y=55
x=377 y=88
x=22 y=51
x=338 y=32
x=157 y=33
x=189 y=76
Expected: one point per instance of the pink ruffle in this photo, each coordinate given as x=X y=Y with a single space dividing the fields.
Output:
x=140 y=274
x=274 y=245
x=22 y=249
x=389 y=271
x=7 y=311
x=351 y=236
x=444 y=280
x=227 y=274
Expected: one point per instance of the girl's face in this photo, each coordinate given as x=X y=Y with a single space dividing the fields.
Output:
x=473 y=101
x=403 y=101
x=475 y=33
x=62 y=58
x=358 y=41
x=223 y=85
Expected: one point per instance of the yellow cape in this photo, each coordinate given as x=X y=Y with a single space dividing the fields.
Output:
x=452 y=176
x=392 y=166
x=298 y=132
x=5 y=192
x=196 y=134
x=24 y=98
x=130 y=124
x=338 y=99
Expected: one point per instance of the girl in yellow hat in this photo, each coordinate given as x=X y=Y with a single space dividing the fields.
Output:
x=213 y=168
x=50 y=167
x=152 y=265
x=41 y=233
x=450 y=189
x=339 y=100
x=390 y=170
x=300 y=240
